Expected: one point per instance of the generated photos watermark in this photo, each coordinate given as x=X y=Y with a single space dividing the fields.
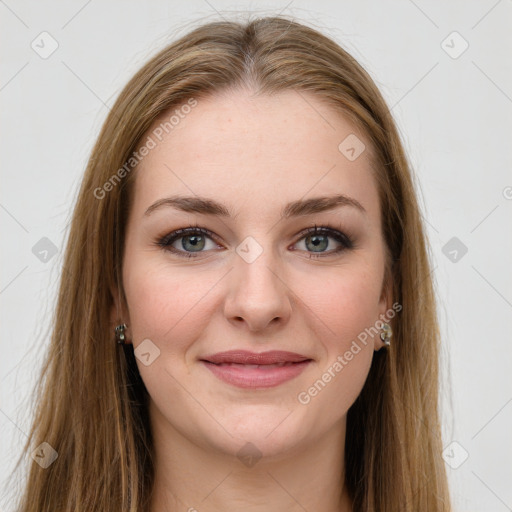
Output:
x=305 y=397
x=157 y=135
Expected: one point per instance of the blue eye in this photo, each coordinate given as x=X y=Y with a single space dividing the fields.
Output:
x=318 y=238
x=194 y=240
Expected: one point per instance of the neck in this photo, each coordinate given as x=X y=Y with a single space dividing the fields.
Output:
x=190 y=478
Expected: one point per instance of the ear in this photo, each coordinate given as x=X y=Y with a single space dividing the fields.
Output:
x=119 y=312
x=385 y=302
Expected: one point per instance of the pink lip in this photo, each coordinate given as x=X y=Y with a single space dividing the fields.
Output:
x=237 y=367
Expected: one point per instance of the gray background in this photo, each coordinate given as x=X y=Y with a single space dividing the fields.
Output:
x=453 y=109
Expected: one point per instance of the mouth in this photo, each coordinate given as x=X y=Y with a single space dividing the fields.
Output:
x=252 y=366
x=256 y=370
x=273 y=357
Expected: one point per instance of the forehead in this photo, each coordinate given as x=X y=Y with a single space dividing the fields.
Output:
x=255 y=153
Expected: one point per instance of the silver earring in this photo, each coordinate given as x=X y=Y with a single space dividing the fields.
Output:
x=119 y=330
x=385 y=334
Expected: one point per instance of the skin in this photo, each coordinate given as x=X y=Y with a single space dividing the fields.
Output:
x=253 y=154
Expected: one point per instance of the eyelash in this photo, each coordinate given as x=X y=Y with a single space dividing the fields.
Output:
x=166 y=241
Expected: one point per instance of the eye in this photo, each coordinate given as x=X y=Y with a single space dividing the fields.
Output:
x=193 y=240
x=187 y=241
x=317 y=240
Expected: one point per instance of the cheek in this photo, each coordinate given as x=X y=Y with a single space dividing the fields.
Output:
x=353 y=308
x=170 y=310
x=165 y=306
x=347 y=303
x=348 y=306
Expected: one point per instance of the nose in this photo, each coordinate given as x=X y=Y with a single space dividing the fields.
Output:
x=259 y=296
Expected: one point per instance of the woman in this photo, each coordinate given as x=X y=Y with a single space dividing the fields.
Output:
x=246 y=317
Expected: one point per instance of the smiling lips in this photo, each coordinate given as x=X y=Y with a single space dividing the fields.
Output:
x=256 y=370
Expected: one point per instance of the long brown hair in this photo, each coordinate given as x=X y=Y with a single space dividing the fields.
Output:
x=92 y=404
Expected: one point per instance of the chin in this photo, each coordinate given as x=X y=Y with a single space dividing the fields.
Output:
x=269 y=432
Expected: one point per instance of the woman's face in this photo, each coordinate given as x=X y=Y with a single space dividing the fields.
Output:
x=253 y=279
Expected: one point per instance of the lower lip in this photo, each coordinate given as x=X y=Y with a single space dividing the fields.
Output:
x=244 y=377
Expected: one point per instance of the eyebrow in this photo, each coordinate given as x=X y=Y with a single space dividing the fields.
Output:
x=206 y=206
